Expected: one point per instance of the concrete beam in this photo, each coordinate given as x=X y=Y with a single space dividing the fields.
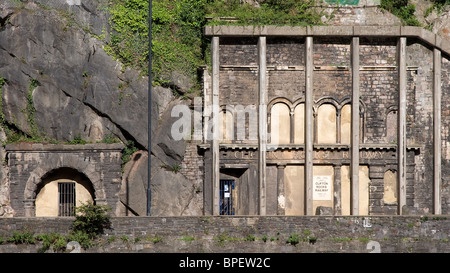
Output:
x=378 y=31
x=329 y=31
x=309 y=126
x=349 y=31
x=355 y=127
x=401 y=148
x=437 y=144
x=262 y=115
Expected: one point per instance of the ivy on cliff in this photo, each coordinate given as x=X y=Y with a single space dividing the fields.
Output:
x=270 y=12
x=403 y=9
x=178 y=43
x=176 y=35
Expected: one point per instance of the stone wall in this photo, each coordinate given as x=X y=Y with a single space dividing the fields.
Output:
x=445 y=135
x=30 y=163
x=251 y=234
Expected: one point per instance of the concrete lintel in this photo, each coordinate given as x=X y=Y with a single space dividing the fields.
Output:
x=254 y=31
x=418 y=32
x=329 y=31
x=379 y=31
x=360 y=31
x=43 y=147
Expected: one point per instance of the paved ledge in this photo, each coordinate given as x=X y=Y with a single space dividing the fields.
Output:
x=351 y=31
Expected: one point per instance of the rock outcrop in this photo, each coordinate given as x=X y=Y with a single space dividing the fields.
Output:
x=61 y=84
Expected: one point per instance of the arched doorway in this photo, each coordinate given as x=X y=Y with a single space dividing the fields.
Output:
x=60 y=191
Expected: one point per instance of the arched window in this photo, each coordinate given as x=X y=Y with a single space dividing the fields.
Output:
x=61 y=191
x=391 y=127
x=227 y=129
x=299 y=120
x=280 y=129
x=390 y=187
x=346 y=125
x=326 y=124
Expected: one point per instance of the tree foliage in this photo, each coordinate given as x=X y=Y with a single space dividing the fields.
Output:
x=91 y=219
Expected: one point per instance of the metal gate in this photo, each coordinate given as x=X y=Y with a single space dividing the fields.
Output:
x=226 y=197
x=66 y=200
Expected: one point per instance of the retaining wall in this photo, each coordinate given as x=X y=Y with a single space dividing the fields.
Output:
x=250 y=234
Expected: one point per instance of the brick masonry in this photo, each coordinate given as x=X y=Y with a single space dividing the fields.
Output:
x=378 y=96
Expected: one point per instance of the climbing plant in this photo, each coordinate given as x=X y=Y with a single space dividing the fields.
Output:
x=176 y=35
x=404 y=9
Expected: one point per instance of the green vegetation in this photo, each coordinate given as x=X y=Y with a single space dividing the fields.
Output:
x=439 y=5
x=90 y=222
x=12 y=129
x=270 y=12
x=91 y=219
x=176 y=168
x=188 y=238
x=178 y=43
x=177 y=40
x=403 y=9
x=77 y=140
x=127 y=152
x=295 y=238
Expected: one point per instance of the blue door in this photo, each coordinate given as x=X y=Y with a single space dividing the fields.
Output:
x=226 y=197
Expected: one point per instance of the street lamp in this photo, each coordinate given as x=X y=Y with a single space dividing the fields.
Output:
x=149 y=108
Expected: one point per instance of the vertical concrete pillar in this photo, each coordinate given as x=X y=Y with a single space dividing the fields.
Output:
x=437 y=144
x=262 y=115
x=215 y=138
x=309 y=126
x=401 y=147
x=206 y=103
x=281 y=197
x=355 y=128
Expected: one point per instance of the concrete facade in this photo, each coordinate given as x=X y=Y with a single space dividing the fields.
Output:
x=303 y=81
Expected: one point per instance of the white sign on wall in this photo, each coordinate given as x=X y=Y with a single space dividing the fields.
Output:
x=322 y=187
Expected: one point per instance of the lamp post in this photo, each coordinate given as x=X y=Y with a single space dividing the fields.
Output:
x=149 y=108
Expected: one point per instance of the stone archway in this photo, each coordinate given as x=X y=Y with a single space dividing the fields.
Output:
x=61 y=191
x=70 y=161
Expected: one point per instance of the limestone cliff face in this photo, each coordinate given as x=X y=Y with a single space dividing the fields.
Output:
x=61 y=84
